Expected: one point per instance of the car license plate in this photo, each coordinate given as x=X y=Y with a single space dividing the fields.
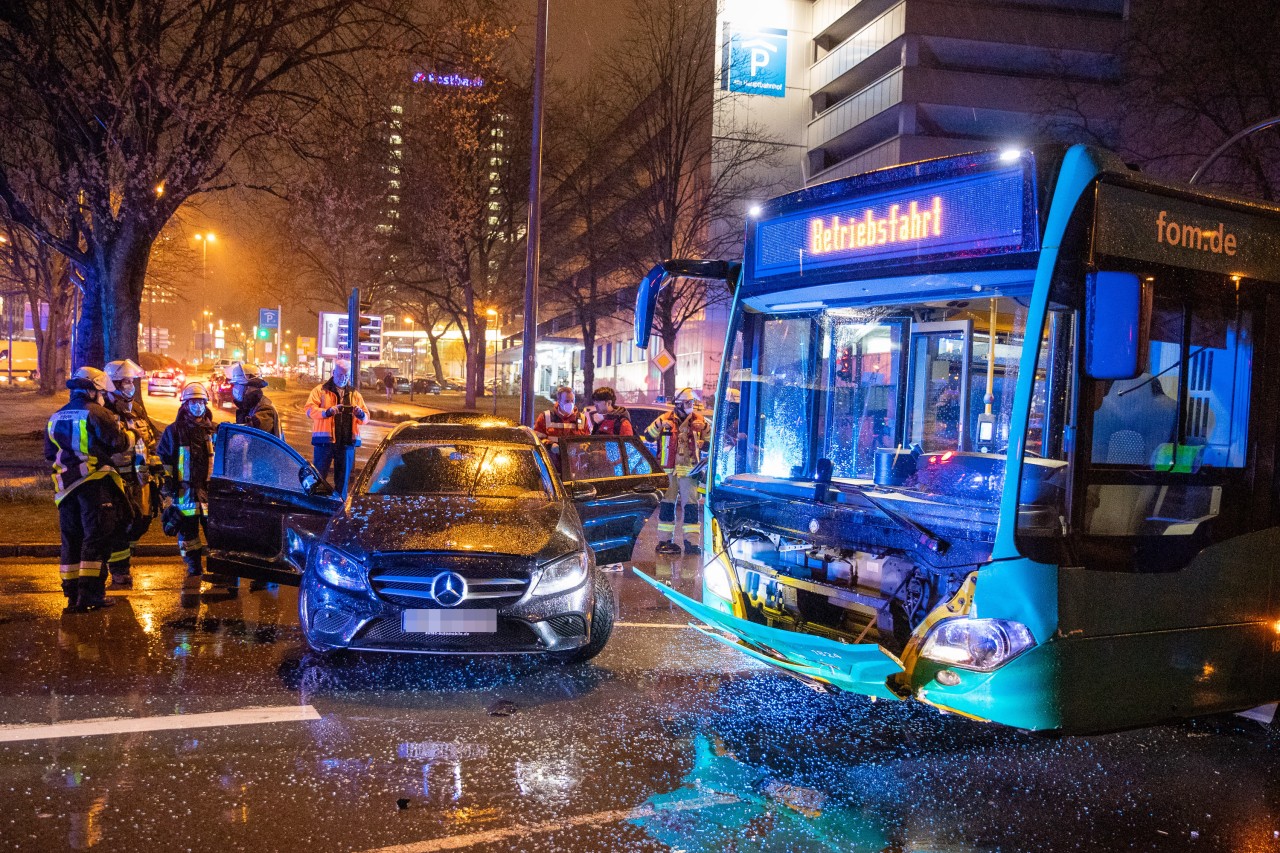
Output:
x=450 y=621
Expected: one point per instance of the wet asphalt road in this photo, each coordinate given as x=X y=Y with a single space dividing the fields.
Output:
x=665 y=741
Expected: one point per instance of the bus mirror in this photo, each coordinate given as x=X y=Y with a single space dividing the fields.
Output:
x=1113 y=325
x=647 y=303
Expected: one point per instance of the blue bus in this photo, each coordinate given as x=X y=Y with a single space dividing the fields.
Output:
x=997 y=432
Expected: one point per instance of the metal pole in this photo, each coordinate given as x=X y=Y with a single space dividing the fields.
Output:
x=1217 y=152
x=534 y=248
x=495 y=370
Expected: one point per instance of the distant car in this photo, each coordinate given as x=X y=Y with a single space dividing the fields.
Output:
x=220 y=388
x=453 y=383
x=456 y=539
x=426 y=385
x=165 y=380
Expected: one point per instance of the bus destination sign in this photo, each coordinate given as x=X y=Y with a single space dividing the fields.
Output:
x=1164 y=230
x=970 y=215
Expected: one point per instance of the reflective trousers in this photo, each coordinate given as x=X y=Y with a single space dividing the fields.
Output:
x=88 y=519
x=682 y=494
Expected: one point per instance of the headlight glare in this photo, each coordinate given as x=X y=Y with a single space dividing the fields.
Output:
x=715 y=578
x=562 y=575
x=338 y=569
x=977 y=644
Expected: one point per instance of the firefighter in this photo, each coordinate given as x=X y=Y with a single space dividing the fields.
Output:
x=138 y=467
x=186 y=452
x=252 y=406
x=607 y=417
x=563 y=418
x=80 y=440
x=680 y=434
x=322 y=406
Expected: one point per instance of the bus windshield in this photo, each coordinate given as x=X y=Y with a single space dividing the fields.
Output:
x=912 y=397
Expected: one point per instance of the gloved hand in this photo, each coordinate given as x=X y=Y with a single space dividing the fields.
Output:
x=331 y=411
x=361 y=413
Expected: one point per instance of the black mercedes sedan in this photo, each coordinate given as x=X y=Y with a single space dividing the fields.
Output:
x=455 y=538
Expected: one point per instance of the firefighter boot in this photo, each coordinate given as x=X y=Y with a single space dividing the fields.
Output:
x=667 y=548
x=121 y=578
x=93 y=592
x=71 y=589
x=195 y=568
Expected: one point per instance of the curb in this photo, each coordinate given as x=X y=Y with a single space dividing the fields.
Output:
x=54 y=550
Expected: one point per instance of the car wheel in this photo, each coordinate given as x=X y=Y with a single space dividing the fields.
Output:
x=601 y=625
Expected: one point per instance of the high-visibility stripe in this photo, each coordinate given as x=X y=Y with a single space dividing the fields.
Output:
x=67 y=572
x=666 y=527
x=117 y=556
x=184 y=464
x=90 y=569
x=690 y=528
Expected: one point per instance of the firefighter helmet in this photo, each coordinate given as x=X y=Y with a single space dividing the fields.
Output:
x=194 y=391
x=125 y=368
x=91 y=379
x=684 y=395
x=243 y=374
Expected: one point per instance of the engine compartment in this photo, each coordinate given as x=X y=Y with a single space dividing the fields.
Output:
x=843 y=594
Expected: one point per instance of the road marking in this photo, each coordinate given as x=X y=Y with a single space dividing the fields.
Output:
x=122 y=725
x=493 y=836
x=649 y=625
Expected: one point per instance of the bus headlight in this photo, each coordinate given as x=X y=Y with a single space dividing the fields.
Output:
x=562 y=574
x=338 y=569
x=977 y=644
x=716 y=578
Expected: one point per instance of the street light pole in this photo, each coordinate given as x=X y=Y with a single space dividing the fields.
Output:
x=533 y=249
x=493 y=318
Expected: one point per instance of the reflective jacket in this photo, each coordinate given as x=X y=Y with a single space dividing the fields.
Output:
x=186 y=451
x=552 y=423
x=256 y=410
x=679 y=441
x=324 y=397
x=133 y=414
x=80 y=440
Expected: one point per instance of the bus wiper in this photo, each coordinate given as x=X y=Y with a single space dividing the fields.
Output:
x=924 y=537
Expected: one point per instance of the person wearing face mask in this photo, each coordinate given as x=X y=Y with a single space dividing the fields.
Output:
x=186 y=452
x=607 y=417
x=679 y=435
x=561 y=419
x=136 y=466
x=252 y=406
x=80 y=440
x=324 y=404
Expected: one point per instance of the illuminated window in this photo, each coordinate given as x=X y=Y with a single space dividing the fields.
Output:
x=397 y=153
x=395 y=170
x=495 y=161
x=493 y=220
x=395 y=139
x=397 y=109
x=393 y=199
x=493 y=190
x=493 y=176
x=395 y=124
x=395 y=185
x=493 y=205
x=497 y=146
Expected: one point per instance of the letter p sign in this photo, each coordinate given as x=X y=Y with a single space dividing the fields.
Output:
x=755 y=62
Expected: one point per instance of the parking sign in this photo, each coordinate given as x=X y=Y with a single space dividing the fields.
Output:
x=755 y=62
x=268 y=318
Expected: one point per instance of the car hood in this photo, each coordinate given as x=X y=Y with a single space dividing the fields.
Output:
x=528 y=528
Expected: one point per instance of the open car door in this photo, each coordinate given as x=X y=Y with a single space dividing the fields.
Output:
x=266 y=505
x=615 y=483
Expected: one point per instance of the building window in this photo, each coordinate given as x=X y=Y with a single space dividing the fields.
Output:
x=393 y=199
x=395 y=139
x=493 y=220
x=395 y=185
x=493 y=205
x=395 y=170
x=493 y=176
x=397 y=109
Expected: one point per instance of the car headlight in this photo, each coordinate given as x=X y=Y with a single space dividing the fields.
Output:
x=977 y=644
x=715 y=577
x=338 y=569
x=562 y=574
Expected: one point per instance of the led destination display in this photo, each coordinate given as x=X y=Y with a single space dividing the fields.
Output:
x=975 y=214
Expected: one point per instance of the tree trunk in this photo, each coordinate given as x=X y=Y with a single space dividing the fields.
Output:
x=122 y=296
x=89 y=348
x=435 y=358
x=52 y=348
x=588 y=359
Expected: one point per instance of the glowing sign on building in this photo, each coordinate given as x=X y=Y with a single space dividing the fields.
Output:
x=455 y=80
x=989 y=212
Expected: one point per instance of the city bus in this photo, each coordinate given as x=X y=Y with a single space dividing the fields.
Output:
x=998 y=432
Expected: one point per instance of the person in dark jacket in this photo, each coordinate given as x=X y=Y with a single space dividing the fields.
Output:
x=80 y=440
x=138 y=467
x=606 y=416
x=186 y=452
x=252 y=406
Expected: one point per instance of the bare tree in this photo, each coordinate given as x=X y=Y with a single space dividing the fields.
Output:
x=1190 y=75
x=683 y=178
x=45 y=277
x=133 y=107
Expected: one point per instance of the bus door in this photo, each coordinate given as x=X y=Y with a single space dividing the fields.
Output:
x=938 y=402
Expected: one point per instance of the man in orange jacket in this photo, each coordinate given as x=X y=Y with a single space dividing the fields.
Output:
x=322 y=406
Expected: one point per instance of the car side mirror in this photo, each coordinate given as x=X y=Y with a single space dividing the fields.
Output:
x=1115 y=325
x=313 y=484
x=581 y=491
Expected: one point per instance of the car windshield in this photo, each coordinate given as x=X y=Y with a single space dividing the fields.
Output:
x=459 y=468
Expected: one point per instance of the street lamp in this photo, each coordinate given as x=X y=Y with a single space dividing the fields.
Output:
x=493 y=315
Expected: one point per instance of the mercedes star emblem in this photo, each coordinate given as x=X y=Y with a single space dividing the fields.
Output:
x=449 y=589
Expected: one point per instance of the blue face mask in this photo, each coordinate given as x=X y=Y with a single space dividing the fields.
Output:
x=196 y=408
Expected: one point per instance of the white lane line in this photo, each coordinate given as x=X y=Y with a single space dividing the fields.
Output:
x=650 y=625
x=122 y=725
x=493 y=836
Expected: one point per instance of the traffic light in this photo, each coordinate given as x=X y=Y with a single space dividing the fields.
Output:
x=262 y=333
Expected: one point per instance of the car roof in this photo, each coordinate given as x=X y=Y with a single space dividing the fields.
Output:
x=484 y=432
